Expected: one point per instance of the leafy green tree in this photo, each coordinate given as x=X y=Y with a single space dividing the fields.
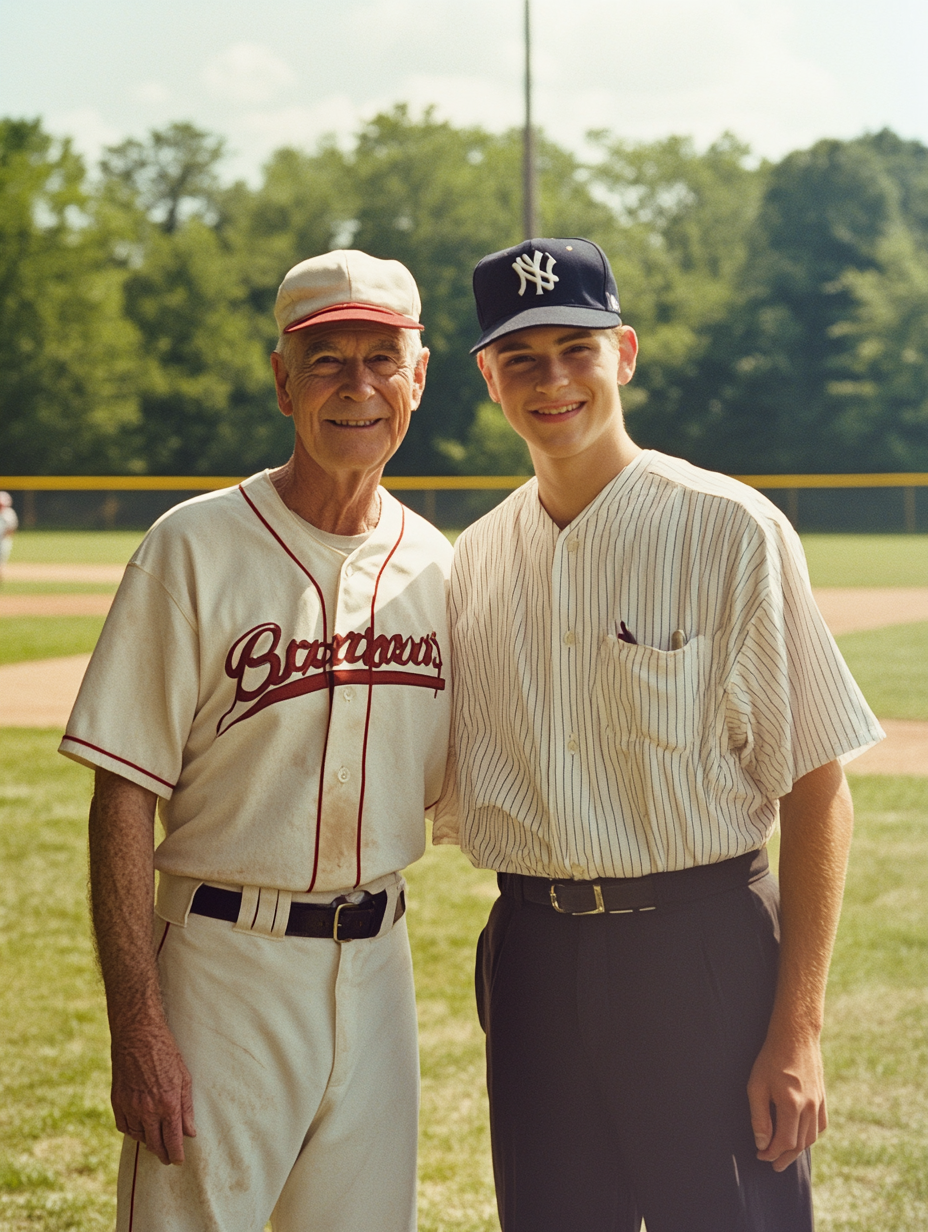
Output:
x=680 y=241
x=783 y=386
x=68 y=397
x=205 y=391
x=172 y=175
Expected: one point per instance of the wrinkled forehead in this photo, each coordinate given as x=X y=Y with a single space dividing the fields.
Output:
x=349 y=340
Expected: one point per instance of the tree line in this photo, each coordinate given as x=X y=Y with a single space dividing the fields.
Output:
x=782 y=307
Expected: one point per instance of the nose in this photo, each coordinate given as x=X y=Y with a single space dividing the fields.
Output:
x=551 y=375
x=356 y=381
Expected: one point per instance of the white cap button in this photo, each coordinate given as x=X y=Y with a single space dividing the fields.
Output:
x=343 y=776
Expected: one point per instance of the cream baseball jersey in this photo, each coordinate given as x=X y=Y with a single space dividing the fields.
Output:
x=289 y=704
x=634 y=693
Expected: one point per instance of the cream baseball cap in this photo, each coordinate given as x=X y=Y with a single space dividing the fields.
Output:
x=347 y=285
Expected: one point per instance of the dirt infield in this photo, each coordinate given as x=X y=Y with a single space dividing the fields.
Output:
x=94 y=574
x=41 y=693
x=55 y=605
x=853 y=610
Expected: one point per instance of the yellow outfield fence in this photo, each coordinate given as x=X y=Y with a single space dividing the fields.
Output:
x=430 y=485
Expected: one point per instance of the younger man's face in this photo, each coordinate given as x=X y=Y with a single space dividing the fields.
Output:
x=559 y=385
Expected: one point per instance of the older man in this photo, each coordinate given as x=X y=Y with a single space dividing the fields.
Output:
x=643 y=684
x=272 y=677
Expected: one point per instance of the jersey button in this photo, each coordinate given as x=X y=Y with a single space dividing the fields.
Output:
x=348 y=693
x=572 y=545
x=572 y=746
x=343 y=776
x=570 y=638
x=349 y=569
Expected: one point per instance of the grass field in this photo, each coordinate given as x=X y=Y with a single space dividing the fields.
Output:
x=70 y=547
x=57 y=1148
x=867 y=560
x=47 y=637
x=891 y=667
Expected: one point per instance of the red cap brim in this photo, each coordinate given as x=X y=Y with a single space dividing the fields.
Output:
x=354 y=312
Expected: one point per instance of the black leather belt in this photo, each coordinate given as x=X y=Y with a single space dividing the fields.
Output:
x=337 y=921
x=620 y=895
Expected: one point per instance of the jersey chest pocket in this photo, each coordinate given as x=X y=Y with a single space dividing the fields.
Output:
x=651 y=695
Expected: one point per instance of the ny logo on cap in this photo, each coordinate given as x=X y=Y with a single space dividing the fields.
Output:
x=531 y=271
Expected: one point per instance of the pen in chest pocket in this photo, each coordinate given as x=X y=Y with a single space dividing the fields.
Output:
x=624 y=634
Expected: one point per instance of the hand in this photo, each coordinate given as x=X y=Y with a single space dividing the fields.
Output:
x=788 y=1076
x=152 y=1090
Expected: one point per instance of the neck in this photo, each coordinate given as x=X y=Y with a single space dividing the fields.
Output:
x=567 y=485
x=340 y=504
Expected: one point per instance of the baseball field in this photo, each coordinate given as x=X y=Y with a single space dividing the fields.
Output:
x=58 y=1149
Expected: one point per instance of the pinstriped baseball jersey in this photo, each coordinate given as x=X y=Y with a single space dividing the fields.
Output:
x=580 y=754
x=289 y=704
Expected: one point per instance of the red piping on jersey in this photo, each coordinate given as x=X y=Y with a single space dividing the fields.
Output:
x=164 y=937
x=106 y=753
x=135 y=1177
x=325 y=638
x=370 y=690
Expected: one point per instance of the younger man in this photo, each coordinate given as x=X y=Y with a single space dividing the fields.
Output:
x=642 y=684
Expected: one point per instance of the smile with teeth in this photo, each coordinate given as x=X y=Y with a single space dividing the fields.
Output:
x=354 y=423
x=557 y=410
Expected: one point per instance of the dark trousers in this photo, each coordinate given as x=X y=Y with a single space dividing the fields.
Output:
x=618 y=1052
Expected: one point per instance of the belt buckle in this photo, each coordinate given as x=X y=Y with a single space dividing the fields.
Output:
x=599 y=909
x=338 y=911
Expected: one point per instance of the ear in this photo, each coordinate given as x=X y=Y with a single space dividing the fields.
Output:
x=418 y=378
x=484 y=365
x=280 y=382
x=628 y=354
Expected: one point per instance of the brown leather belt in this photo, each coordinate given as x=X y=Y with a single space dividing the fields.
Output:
x=621 y=895
x=337 y=921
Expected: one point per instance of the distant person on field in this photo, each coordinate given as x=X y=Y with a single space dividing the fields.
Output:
x=643 y=685
x=8 y=524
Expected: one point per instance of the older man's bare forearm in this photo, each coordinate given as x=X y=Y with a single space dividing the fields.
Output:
x=122 y=893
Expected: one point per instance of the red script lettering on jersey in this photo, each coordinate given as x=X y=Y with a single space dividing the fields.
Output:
x=264 y=674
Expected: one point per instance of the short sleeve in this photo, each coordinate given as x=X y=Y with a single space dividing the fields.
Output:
x=139 y=695
x=792 y=703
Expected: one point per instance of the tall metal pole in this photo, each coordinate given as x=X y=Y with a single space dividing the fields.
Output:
x=529 y=219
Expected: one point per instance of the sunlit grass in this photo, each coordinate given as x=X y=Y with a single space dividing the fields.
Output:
x=891 y=667
x=47 y=637
x=867 y=560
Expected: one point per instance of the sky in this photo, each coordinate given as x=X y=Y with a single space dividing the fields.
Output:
x=778 y=73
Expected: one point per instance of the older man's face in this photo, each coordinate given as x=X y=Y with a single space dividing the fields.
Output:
x=351 y=392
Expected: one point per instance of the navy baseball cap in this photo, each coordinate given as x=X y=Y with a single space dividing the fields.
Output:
x=544 y=282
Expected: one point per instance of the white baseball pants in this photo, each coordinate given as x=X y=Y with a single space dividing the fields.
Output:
x=305 y=1069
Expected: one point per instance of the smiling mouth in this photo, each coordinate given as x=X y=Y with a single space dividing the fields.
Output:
x=354 y=423
x=554 y=412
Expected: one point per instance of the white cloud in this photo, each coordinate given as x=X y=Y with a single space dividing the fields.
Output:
x=247 y=73
x=152 y=92
x=88 y=130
